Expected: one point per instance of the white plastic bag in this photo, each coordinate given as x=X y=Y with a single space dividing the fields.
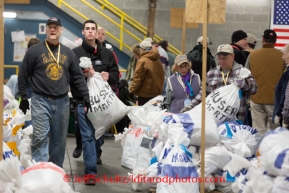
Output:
x=276 y=161
x=223 y=102
x=7 y=152
x=132 y=142
x=71 y=44
x=216 y=158
x=259 y=183
x=192 y=124
x=279 y=136
x=281 y=184
x=240 y=139
x=44 y=177
x=178 y=167
x=107 y=109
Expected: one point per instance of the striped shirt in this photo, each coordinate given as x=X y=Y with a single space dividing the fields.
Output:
x=215 y=81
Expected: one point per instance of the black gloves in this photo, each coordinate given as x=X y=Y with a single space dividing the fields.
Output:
x=131 y=97
x=24 y=105
x=165 y=106
x=86 y=103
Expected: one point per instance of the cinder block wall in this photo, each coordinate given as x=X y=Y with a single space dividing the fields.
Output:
x=252 y=16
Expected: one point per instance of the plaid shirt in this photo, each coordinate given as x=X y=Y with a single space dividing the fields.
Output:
x=215 y=81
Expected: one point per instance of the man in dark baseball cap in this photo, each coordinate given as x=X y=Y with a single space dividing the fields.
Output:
x=270 y=34
x=54 y=20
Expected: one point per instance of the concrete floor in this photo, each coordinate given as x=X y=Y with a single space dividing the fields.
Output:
x=110 y=167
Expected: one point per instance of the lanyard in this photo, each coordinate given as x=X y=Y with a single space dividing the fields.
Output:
x=286 y=68
x=58 y=54
x=227 y=76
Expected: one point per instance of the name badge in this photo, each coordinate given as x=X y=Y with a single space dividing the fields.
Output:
x=187 y=102
x=97 y=63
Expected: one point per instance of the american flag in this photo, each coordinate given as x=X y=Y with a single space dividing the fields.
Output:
x=280 y=22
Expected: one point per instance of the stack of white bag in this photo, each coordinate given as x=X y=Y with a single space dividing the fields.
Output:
x=137 y=140
x=44 y=177
x=230 y=160
x=106 y=108
x=273 y=167
x=14 y=120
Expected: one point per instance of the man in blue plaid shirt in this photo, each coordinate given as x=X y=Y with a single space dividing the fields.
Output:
x=227 y=72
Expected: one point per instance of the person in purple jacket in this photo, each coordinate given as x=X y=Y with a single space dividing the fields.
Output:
x=183 y=86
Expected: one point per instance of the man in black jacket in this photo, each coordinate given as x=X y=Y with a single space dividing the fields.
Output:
x=195 y=56
x=103 y=62
x=239 y=44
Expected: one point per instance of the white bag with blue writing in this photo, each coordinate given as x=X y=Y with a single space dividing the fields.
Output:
x=276 y=161
x=106 y=107
x=240 y=139
x=279 y=136
x=223 y=102
x=192 y=125
x=178 y=172
x=7 y=152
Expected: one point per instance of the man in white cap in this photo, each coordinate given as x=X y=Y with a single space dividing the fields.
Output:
x=148 y=78
x=195 y=56
x=164 y=58
x=227 y=72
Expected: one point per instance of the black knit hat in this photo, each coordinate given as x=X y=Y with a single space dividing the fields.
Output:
x=238 y=35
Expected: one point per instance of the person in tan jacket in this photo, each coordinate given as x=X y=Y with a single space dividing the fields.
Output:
x=267 y=66
x=148 y=78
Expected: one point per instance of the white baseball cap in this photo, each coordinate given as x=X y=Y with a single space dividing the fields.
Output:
x=200 y=40
x=225 y=49
x=144 y=45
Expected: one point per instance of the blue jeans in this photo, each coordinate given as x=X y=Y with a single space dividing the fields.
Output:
x=49 y=116
x=90 y=146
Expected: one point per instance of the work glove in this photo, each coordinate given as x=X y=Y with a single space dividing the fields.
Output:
x=277 y=120
x=187 y=108
x=24 y=106
x=86 y=103
x=131 y=97
x=239 y=82
x=165 y=106
x=285 y=125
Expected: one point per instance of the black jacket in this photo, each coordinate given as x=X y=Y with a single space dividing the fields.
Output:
x=195 y=56
x=240 y=56
x=102 y=54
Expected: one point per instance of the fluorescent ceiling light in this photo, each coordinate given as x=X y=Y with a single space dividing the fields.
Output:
x=9 y=14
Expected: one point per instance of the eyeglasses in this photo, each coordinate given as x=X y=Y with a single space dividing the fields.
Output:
x=224 y=58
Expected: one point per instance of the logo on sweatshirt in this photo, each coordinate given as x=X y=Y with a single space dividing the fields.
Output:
x=54 y=71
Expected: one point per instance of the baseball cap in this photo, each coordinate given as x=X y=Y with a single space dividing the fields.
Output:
x=225 y=49
x=269 y=34
x=149 y=39
x=54 y=20
x=200 y=40
x=251 y=39
x=181 y=59
x=144 y=45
